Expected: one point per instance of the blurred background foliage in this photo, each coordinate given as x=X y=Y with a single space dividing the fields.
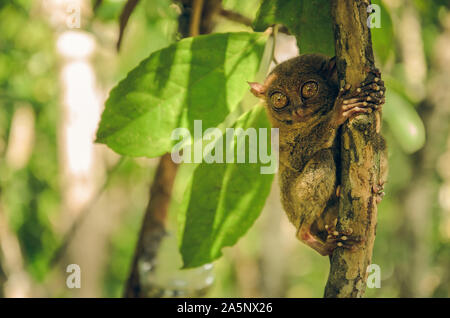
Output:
x=43 y=194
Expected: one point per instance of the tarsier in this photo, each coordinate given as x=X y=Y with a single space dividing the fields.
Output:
x=304 y=102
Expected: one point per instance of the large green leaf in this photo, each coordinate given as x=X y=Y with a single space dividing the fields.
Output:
x=382 y=32
x=201 y=78
x=222 y=201
x=309 y=20
x=404 y=122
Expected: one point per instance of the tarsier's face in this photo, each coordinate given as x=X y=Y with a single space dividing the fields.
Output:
x=299 y=89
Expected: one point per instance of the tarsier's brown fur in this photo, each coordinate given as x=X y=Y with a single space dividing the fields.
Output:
x=304 y=102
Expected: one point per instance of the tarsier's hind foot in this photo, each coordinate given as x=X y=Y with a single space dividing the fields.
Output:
x=343 y=239
x=323 y=248
x=368 y=96
x=334 y=239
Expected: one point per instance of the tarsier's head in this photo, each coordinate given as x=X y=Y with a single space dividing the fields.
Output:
x=299 y=89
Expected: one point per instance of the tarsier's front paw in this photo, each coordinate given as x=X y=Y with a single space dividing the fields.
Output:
x=367 y=97
x=343 y=239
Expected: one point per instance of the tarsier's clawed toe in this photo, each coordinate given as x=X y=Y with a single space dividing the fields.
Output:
x=368 y=96
x=374 y=88
x=343 y=239
x=371 y=91
x=378 y=191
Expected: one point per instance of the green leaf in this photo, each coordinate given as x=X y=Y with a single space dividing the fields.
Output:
x=309 y=20
x=200 y=78
x=404 y=122
x=382 y=36
x=222 y=201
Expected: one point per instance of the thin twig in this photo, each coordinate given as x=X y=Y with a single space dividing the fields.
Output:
x=274 y=38
x=235 y=17
x=124 y=17
x=194 y=26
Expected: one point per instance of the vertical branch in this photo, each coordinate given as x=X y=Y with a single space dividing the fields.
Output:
x=360 y=154
x=153 y=227
x=194 y=27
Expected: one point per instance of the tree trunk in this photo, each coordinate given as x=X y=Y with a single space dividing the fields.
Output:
x=360 y=154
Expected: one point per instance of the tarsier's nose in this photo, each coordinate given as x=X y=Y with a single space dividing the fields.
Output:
x=297 y=111
x=297 y=103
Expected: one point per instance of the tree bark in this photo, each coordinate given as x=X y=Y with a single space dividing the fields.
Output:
x=360 y=154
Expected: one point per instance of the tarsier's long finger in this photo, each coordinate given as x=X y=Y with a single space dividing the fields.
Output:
x=378 y=101
x=367 y=90
x=357 y=110
x=377 y=95
x=345 y=89
x=372 y=99
x=363 y=104
x=376 y=85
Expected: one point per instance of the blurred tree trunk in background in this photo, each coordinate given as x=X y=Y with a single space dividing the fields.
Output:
x=420 y=198
x=14 y=280
x=273 y=264
x=416 y=197
x=2 y=278
x=197 y=17
x=439 y=86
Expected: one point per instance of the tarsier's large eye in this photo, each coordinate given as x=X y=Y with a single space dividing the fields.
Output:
x=279 y=100
x=309 y=89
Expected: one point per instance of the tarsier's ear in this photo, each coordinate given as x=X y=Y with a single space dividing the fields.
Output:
x=257 y=89
x=330 y=70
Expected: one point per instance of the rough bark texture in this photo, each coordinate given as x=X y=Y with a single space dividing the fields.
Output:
x=360 y=154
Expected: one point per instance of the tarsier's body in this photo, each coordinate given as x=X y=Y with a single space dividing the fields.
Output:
x=304 y=102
